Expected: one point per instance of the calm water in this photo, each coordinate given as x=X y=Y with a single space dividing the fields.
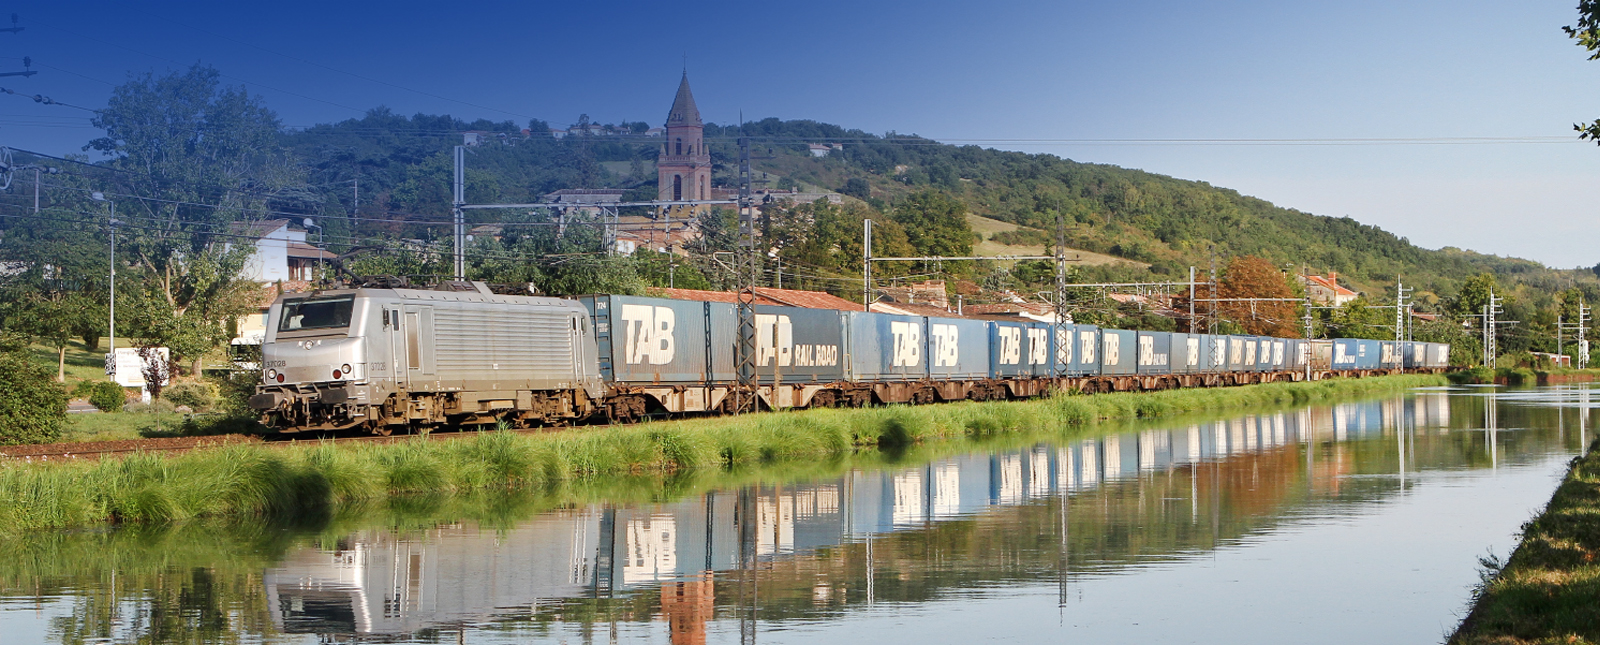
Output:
x=1357 y=522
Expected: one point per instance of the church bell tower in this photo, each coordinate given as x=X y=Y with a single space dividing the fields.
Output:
x=684 y=166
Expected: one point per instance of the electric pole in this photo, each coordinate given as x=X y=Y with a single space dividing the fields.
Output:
x=747 y=265
x=1059 y=329
x=1583 y=341
x=458 y=215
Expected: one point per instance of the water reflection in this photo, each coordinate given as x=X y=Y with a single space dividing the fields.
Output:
x=776 y=557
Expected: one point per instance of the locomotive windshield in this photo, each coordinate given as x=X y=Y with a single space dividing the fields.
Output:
x=316 y=313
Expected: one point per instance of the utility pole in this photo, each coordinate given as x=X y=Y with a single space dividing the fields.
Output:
x=1058 y=329
x=458 y=215
x=747 y=265
x=1490 y=330
x=1583 y=341
x=1191 y=299
x=1211 y=318
x=866 y=264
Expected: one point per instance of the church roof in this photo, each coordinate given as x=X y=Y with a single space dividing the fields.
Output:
x=684 y=111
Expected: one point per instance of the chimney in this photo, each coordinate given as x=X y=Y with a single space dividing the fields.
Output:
x=1333 y=276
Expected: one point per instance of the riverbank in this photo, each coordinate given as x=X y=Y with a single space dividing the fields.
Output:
x=312 y=478
x=1546 y=591
x=1522 y=376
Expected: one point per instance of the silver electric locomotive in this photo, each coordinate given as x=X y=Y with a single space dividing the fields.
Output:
x=387 y=359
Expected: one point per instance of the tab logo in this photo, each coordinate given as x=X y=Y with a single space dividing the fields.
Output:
x=907 y=350
x=1219 y=351
x=1147 y=352
x=1039 y=347
x=1086 y=347
x=1010 y=345
x=946 y=351
x=1111 y=349
x=649 y=334
x=1194 y=353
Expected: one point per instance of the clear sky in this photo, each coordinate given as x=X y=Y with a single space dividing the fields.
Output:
x=1058 y=77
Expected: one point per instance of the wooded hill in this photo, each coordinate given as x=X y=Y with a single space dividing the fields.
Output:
x=1165 y=222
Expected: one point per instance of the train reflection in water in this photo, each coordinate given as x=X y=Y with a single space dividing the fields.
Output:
x=388 y=584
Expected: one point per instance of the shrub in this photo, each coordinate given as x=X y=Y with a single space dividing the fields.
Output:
x=33 y=408
x=84 y=389
x=107 y=396
x=198 y=395
x=155 y=406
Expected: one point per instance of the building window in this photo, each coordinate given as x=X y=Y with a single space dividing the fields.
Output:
x=680 y=146
x=677 y=188
x=702 y=187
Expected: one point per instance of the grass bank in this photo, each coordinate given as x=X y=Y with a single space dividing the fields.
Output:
x=1546 y=591
x=311 y=478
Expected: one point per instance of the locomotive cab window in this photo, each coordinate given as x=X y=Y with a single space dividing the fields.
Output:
x=320 y=313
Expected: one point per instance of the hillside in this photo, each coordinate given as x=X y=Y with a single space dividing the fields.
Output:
x=1140 y=225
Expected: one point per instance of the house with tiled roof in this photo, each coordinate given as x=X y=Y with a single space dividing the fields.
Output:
x=1325 y=290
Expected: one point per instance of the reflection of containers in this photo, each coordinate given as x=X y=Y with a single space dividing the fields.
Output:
x=1155 y=352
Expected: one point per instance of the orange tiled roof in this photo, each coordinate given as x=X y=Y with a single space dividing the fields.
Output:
x=764 y=296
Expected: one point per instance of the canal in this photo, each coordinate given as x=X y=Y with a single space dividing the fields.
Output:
x=1354 y=522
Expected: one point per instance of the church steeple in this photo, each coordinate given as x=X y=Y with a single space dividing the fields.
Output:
x=684 y=111
x=684 y=165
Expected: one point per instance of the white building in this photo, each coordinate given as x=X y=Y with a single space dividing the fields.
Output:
x=282 y=253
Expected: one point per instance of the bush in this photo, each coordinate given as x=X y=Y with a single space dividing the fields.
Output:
x=33 y=408
x=198 y=395
x=155 y=406
x=107 y=396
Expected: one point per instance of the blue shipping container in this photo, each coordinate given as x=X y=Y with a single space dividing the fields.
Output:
x=958 y=348
x=1117 y=352
x=795 y=345
x=1155 y=352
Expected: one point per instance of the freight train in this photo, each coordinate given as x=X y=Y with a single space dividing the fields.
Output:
x=384 y=359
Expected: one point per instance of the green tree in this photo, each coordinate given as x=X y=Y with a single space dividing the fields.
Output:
x=935 y=223
x=1474 y=295
x=198 y=157
x=1587 y=33
x=1359 y=319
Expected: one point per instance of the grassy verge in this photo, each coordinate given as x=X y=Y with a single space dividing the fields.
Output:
x=311 y=478
x=1546 y=591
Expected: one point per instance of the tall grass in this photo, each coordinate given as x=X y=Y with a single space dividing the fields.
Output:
x=311 y=479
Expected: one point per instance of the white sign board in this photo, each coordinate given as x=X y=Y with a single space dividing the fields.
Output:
x=130 y=367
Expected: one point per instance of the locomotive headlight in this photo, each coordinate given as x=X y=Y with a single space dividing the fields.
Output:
x=345 y=368
x=272 y=374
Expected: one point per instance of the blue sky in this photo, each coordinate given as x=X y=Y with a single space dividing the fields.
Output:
x=1032 y=76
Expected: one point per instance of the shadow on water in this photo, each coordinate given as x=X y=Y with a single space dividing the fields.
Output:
x=776 y=544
